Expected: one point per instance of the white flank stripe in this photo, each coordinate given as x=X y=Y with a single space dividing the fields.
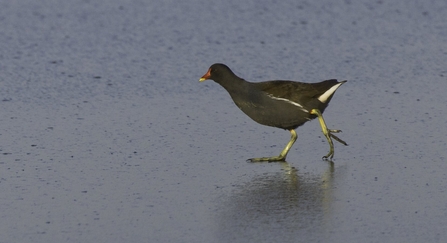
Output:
x=290 y=102
x=323 y=98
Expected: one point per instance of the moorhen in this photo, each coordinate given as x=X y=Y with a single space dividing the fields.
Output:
x=280 y=103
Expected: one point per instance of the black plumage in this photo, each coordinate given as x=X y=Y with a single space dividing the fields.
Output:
x=280 y=103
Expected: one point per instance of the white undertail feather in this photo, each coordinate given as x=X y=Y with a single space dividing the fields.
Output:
x=290 y=102
x=323 y=98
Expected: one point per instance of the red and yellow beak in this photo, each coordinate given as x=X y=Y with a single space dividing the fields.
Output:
x=206 y=76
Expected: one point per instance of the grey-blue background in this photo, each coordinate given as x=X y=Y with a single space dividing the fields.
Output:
x=107 y=136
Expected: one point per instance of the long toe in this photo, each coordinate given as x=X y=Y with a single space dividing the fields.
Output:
x=334 y=130
x=328 y=156
x=267 y=159
x=338 y=139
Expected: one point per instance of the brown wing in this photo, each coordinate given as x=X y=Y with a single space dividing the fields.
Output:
x=295 y=91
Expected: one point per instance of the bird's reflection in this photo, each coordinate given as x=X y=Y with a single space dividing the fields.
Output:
x=285 y=203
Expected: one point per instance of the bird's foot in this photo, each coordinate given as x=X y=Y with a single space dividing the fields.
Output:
x=268 y=159
x=328 y=157
x=334 y=130
x=330 y=135
x=335 y=137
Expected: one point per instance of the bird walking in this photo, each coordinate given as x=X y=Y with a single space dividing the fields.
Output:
x=279 y=103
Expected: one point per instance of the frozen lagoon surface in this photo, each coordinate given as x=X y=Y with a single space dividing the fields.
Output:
x=107 y=135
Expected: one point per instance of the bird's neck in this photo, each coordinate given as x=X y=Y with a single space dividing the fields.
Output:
x=234 y=84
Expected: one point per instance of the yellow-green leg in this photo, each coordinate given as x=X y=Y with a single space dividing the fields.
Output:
x=327 y=133
x=282 y=155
